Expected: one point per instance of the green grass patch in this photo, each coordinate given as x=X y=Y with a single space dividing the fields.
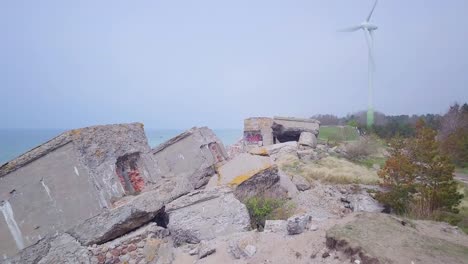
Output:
x=262 y=209
x=338 y=133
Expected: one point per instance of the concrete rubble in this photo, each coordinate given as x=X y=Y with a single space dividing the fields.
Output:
x=264 y=131
x=298 y=224
x=70 y=178
x=183 y=201
x=205 y=214
x=83 y=172
x=192 y=155
x=239 y=169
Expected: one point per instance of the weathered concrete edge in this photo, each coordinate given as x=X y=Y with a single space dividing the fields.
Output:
x=36 y=153
x=173 y=140
x=307 y=120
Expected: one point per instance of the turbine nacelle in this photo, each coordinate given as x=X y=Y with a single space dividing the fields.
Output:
x=368 y=26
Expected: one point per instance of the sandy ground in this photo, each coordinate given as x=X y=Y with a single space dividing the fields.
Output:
x=274 y=248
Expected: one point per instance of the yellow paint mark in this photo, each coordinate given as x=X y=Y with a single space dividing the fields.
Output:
x=259 y=151
x=245 y=176
x=74 y=132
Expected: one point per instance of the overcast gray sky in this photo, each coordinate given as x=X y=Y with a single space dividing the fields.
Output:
x=176 y=64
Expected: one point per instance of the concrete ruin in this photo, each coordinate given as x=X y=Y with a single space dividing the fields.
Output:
x=68 y=179
x=190 y=157
x=265 y=131
x=82 y=172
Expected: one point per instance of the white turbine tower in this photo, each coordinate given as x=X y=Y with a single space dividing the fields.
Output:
x=368 y=29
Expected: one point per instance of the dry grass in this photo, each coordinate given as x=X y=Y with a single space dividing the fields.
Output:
x=331 y=170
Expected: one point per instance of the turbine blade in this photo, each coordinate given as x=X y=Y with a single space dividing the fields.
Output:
x=372 y=11
x=370 y=42
x=350 y=29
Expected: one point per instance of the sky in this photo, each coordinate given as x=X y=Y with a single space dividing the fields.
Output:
x=178 y=64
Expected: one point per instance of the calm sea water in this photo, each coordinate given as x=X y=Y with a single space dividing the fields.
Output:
x=14 y=142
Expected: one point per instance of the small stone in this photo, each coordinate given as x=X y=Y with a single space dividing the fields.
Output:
x=313 y=227
x=133 y=254
x=325 y=255
x=115 y=252
x=205 y=249
x=141 y=244
x=104 y=249
x=123 y=251
x=131 y=248
x=250 y=250
x=193 y=252
x=108 y=255
x=151 y=248
x=297 y=224
x=124 y=258
x=101 y=258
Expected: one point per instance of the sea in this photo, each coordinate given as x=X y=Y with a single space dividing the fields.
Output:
x=14 y=142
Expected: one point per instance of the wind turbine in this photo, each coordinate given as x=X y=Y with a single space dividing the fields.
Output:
x=368 y=28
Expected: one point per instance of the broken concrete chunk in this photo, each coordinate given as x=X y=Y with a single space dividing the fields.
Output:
x=118 y=221
x=308 y=139
x=192 y=155
x=271 y=150
x=298 y=224
x=241 y=168
x=73 y=177
x=33 y=253
x=206 y=214
x=205 y=248
x=263 y=183
x=301 y=183
x=241 y=249
x=250 y=250
x=363 y=202
x=65 y=249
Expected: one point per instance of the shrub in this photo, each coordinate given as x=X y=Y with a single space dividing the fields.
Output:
x=261 y=209
x=418 y=177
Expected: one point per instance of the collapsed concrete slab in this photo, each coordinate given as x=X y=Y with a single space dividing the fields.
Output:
x=264 y=131
x=276 y=150
x=239 y=169
x=190 y=156
x=263 y=184
x=144 y=208
x=308 y=139
x=206 y=214
x=68 y=179
x=290 y=129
